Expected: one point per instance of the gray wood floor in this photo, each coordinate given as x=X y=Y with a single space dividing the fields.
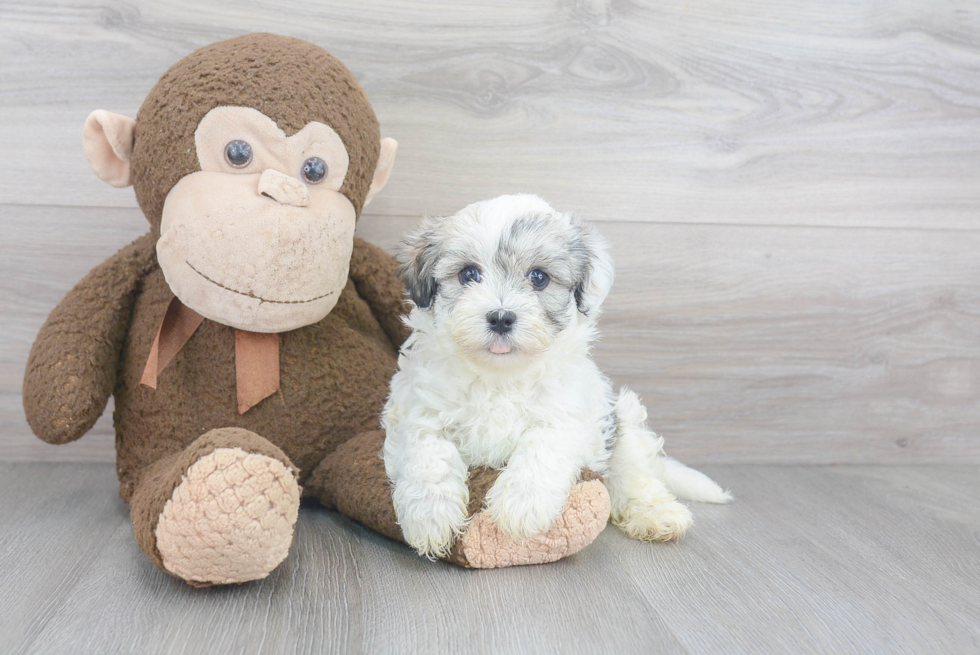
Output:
x=841 y=559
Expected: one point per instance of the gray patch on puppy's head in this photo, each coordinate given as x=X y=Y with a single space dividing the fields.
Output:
x=569 y=250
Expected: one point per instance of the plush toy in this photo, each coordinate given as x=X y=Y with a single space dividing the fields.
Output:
x=249 y=337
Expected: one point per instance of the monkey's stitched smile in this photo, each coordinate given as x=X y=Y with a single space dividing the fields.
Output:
x=252 y=295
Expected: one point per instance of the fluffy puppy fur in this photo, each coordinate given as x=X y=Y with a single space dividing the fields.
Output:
x=497 y=372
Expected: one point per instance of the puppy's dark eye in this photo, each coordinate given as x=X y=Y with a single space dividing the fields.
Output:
x=539 y=279
x=469 y=274
x=238 y=153
x=314 y=170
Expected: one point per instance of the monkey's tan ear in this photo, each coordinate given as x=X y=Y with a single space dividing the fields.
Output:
x=386 y=159
x=107 y=140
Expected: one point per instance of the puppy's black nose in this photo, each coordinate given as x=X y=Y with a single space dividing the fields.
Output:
x=501 y=321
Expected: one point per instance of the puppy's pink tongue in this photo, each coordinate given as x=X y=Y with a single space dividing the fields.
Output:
x=500 y=348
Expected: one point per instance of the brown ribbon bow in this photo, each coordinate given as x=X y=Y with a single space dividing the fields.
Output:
x=256 y=355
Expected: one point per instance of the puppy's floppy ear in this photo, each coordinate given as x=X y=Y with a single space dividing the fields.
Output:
x=595 y=270
x=419 y=253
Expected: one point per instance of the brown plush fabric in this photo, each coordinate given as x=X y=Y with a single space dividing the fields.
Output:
x=157 y=483
x=352 y=480
x=333 y=374
x=289 y=80
x=71 y=370
x=334 y=377
x=372 y=269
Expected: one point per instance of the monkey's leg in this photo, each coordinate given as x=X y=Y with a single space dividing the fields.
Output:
x=221 y=511
x=352 y=479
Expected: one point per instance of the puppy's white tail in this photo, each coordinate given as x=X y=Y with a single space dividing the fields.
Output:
x=682 y=481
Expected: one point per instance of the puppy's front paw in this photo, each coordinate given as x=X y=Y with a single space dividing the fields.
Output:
x=523 y=511
x=431 y=525
x=664 y=521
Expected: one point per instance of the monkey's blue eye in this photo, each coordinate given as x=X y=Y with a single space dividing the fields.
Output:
x=539 y=279
x=238 y=153
x=469 y=274
x=314 y=170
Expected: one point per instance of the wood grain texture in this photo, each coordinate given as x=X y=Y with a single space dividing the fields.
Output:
x=790 y=190
x=825 y=113
x=747 y=343
x=806 y=560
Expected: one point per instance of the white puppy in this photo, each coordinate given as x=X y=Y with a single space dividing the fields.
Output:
x=497 y=373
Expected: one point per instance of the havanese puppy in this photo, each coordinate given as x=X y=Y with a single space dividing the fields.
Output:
x=497 y=372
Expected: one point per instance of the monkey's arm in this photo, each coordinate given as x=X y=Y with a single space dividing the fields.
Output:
x=375 y=275
x=71 y=370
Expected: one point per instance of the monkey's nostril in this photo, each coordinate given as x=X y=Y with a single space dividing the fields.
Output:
x=283 y=189
x=501 y=321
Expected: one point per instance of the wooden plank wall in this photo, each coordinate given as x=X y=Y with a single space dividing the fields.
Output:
x=791 y=189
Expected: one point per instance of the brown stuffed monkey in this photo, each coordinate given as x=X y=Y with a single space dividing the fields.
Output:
x=249 y=337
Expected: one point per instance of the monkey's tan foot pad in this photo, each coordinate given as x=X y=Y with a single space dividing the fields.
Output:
x=484 y=546
x=230 y=519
